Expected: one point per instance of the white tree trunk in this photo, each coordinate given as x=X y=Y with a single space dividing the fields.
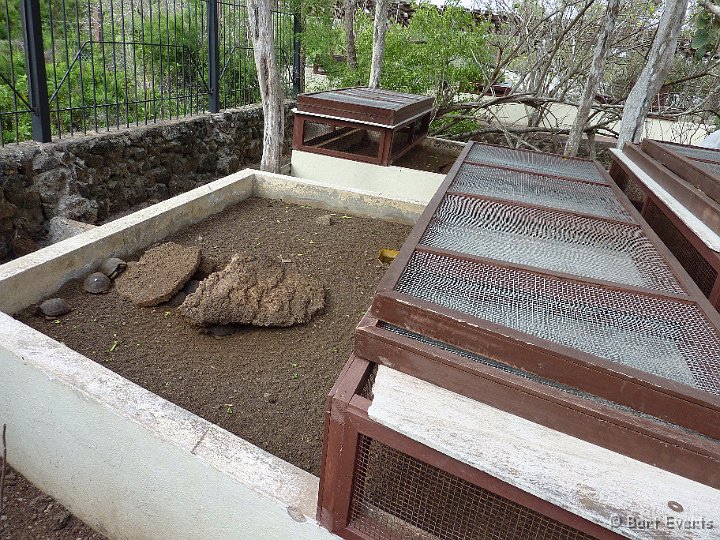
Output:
x=271 y=90
x=653 y=74
x=596 y=73
x=349 y=19
x=379 y=31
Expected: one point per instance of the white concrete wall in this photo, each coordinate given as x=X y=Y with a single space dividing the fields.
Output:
x=561 y=115
x=133 y=465
x=391 y=182
x=33 y=277
x=127 y=462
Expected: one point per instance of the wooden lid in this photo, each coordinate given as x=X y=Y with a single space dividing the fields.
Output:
x=369 y=105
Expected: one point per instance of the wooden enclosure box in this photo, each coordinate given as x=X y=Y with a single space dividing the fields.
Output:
x=361 y=124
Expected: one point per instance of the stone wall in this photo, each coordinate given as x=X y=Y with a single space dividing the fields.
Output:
x=93 y=177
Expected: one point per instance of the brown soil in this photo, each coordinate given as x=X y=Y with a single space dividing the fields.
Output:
x=28 y=514
x=429 y=159
x=267 y=385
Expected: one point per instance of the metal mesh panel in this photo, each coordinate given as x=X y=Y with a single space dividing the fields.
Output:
x=532 y=377
x=695 y=152
x=536 y=162
x=396 y=496
x=317 y=132
x=667 y=338
x=531 y=188
x=708 y=167
x=550 y=240
x=351 y=140
x=699 y=269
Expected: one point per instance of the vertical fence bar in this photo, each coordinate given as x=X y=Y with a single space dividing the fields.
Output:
x=213 y=56
x=37 y=78
x=297 y=29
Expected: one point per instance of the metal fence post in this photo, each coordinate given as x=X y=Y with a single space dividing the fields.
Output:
x=214 y=56
x=297 y=29
x=35 y=67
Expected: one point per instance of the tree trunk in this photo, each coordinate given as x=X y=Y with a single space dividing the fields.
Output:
x=271 y=90
x=379 y=31
x=653 y=74
x=349 y=19
x=596 y=73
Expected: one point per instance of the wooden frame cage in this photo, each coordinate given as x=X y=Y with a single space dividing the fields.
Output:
x=361 y=124
x=379 y=484
x=691 y=176
x=532 y=284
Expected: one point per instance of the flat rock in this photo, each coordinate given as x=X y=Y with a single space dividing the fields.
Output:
x=161 y=272
x=255 y=290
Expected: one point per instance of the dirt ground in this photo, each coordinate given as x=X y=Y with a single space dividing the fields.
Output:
x=28 y=514
x=429 y=159
x=267 y=385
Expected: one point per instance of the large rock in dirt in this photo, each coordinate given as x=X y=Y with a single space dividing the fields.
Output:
x=255 y=290
x=159 y=274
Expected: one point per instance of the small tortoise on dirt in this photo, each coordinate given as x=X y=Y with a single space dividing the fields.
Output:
x=97 y=283
x=112 y=267
x=54 y=307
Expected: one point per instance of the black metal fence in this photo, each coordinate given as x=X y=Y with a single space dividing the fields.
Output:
x=73 y=66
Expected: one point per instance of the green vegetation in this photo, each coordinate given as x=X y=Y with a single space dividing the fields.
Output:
x=137 y=67
x=439 y=53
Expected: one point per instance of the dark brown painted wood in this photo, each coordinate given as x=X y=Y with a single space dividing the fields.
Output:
x=658 y=443
x=688 y=169
x=357 y=418
x=366 y=105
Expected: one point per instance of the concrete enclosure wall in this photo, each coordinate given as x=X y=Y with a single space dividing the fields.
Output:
x=91 y=177
x=124 y=460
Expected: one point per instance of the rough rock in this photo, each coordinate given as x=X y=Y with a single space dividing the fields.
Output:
x=159 y=274
x=255 y=290
x=325 y=220
x=63 y=228
x=98 y=176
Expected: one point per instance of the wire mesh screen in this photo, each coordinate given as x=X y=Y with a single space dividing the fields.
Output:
x=695 y=152
x=550 y=240
x=518 y=373
x=117 y=63
x=699 y=269
x=536 y=162
x=668 y=338
x=345 y=139
x=396 y=496
x=709 y=167
x=532 y=188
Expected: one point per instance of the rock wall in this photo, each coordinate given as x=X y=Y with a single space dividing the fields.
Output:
x=93 y=177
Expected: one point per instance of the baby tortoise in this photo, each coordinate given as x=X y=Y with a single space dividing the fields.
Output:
x=112 y=267
x=97 y=283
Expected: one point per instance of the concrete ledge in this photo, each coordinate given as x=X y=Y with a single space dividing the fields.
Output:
x=133 y=465
x=127 y=462
x=392 y=182
x=33 y=277
x=331 y=197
